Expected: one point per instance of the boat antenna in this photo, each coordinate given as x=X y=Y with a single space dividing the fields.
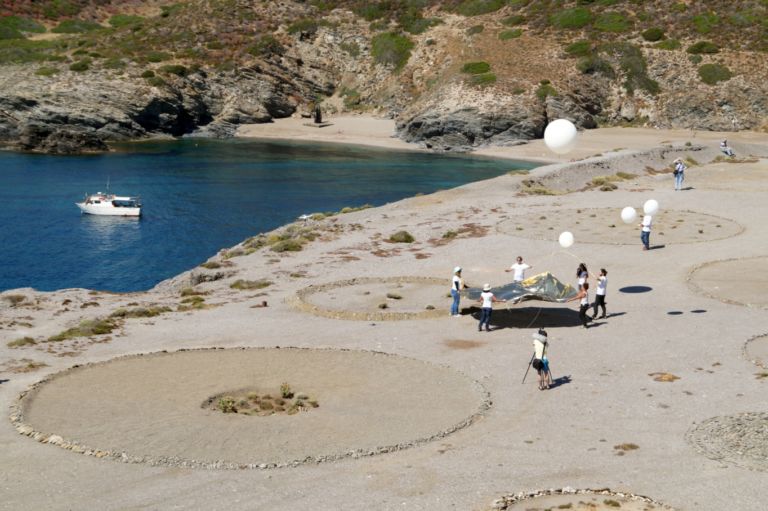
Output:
x=108 y=184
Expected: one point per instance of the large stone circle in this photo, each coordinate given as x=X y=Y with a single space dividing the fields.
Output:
x=604 y=226
x=740 y=439
x=756 y=350
x=147 y=408
x=735 y=281
x=362 y=298
x=578 y=500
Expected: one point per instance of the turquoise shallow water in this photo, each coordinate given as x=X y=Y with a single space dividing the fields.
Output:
x=199 y=196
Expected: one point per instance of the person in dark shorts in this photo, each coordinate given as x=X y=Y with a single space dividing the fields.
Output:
x=540 y=345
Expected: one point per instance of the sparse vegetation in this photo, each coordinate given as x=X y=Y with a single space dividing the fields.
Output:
x=24 y=341
x=653 y=34
x=483 y=79
x=513 y=20
x=714 y=73
x=140 y=312
x=545 y=89
x=703 y=47
x=249 y=402
x=291 y=245
x=174 y=69
x=514 y=33
x=75 y=27
x=402 y=237
x=612 y=22
x=248 y=285
x=80 y=65
x=634 y=66
x=475 y=68
x=579 y=48
x=668 y=44
x=475 y=29
x=391 y=48
x=211 y=265
x=576 y=17
x=125 y=20
x=86 y=328
x=15 y=300
x=478 y=7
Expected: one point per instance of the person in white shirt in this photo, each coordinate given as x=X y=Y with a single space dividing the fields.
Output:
x=583 y=296
x=457 y=284
x=645 y=233
x=487 y=298
x=540 y=361
x=519 y=268
x=602 y=284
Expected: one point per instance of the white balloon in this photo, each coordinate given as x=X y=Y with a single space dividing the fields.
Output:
x=651 y=207
x=628 y=215
x=565 y=239
x=560 y=136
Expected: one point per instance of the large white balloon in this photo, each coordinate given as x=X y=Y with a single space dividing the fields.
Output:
x=565 y=239
x=628 y=215
x=651 y=207
x=560 y=136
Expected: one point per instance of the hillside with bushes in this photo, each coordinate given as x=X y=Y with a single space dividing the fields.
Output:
x=77 y=74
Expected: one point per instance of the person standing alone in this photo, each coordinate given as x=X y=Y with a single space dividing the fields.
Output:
x=602 y=283
x=457 y=284
x=519 y=268
x=679 y=174
x=645 y=233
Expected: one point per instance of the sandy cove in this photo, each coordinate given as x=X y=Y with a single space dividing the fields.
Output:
x=678 y=314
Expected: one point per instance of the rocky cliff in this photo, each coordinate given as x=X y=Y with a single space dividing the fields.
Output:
x=456 y=75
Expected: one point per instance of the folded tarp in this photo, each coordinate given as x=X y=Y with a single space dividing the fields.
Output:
x=543 y=286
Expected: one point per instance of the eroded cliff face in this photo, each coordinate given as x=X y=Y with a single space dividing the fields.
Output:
x=524 y=82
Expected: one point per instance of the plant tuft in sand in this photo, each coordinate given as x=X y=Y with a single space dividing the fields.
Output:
x=24 y=341
x=86 y=328
x=402 y=237
x=247 y=285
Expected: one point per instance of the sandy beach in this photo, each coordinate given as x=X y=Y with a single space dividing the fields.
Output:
x=664 y=398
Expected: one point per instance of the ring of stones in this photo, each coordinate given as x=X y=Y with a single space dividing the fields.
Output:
x=147 y=408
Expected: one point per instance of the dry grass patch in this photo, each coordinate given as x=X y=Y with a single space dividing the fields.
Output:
x=24 y=365
x=15 y=300
x=86 y=328
x=664 y=377
x=24 y=341
x=461 y=344
x=247 y=285
x=251 y=402
x=140 y=312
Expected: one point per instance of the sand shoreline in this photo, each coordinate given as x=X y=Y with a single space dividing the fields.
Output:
x=606 y=395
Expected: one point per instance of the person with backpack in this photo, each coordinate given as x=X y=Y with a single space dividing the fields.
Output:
x=540 y=361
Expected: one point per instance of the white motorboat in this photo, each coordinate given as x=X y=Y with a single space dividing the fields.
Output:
x=110 y=204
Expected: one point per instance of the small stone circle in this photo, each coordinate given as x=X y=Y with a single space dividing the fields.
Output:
x=147 y=408
x=361 y=298
x=734 y=281
x=756 y=350
x=578 y=500
x=604 y=226
x=740 y=439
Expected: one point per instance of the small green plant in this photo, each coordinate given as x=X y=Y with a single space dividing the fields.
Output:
x=714 y=73
x=576 y=17
x=579 y=48
x=351 y=98
x=595 y=65
x=24 y=341
x=478 y=7
x=140 y=312
x=125 y=20
x=285 y=391
x=157 y=56
x=695 y=59
x=394 y=296
x=156 y=81
x=14 y=300
x=352 y=48
x=449 y=235
x=653 y=34
x=391 y=48
x=545 y=89
x=248 y=285
x=174 y=69
x=46 y=71
x=114 y=63
x=86 y=328
x=612 y=22
x=289 y=245
x=484 y=79
x=475 y=29
x=703 y=47
x=704 y=23
x=611 y=503
x=514 y=33
x=515 y=19
x=402 y=237
x=668 y=44
x=227 y=404
x=75 y=27
x=14 y=27
x=475 y=68
x=211 y=265
x=80 y=65
x=266 y=45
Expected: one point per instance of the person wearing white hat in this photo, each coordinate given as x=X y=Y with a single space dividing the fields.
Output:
x=487 y=298
x=540 y=362
x=457 y=284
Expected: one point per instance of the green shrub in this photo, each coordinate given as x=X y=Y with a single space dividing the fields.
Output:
x=634 y=66
x=612 y=22
x=266 y=45
x=695 y=59
x=24 y=341
x=85 y=329
x=80 y=65
x=247 y=285
x=157 y=56
x=56 y=8
x=595 y=65
x=372 y=11
x=125 y=20
x=483 y=79
x=514 y=33
x=703 y=47
x=10 y=33
x=75 y=27
x=20 y=24
x=156 y=81
x=668 y=44
x=576 y=17
x=214 y=45
x=545 y=89
x=402 y=237
x=140 y=312
x=391 y=48
x=353 y=49
x=477 y=7
x=579 y=48
x=290 y=245
x=704 y=23
x=114 y=63
x=174 y=69
x=307 y=25
x=653 y=34
x=515 y=19
x=475 y=68
x=713 y=73
x=46 y=71
x=413 y=22
x=476 y=29
x=148 y=74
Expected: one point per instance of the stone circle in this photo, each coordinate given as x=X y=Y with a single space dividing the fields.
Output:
x=740 y=439
x=147 y=408
x=578 y=500
x=363 y=298
x=734 y=281
x=604 y=226
x=756 y=350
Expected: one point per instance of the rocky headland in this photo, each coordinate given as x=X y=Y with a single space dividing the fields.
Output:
x=456 y=75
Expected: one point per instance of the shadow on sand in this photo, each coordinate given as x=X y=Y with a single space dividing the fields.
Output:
x=529 y=317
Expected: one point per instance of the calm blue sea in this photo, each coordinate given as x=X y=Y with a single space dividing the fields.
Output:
x=198 y=195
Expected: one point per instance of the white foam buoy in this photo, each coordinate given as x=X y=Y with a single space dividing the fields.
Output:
x=565 y=239
x=628 y=215
x=651 y=207
x=560 y=136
